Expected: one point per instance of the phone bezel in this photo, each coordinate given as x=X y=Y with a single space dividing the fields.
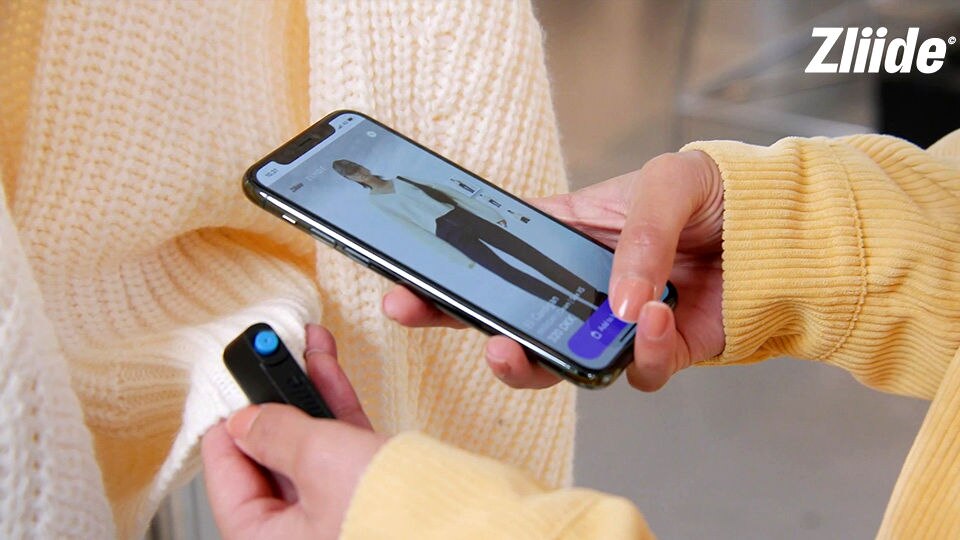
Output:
x=557 y=361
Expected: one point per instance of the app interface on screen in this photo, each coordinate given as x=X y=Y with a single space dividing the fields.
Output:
x=460 y=233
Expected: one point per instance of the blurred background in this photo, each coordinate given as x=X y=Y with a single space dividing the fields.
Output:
x=784 y=449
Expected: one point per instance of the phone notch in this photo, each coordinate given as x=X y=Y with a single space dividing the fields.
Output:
x=303 y=143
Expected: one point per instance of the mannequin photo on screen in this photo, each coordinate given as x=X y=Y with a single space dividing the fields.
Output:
x=477 y=231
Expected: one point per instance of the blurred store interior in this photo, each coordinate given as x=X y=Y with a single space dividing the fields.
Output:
x=785 y=449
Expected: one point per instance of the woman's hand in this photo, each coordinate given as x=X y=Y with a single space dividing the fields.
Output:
x=665 y=221
x=316 y=463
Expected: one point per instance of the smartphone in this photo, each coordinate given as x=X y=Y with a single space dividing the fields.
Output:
x=475 y=251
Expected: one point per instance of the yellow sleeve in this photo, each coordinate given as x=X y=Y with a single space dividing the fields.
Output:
x=845 y=251
x=926 y=499
x=417 y=487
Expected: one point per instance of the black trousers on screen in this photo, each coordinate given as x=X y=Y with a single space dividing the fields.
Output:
x=471 y=235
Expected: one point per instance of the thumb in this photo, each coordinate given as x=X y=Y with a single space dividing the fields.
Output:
x=271 y=435
x=323 y=458
x=661 y=198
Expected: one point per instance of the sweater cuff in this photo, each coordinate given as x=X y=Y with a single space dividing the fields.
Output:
x=793 y=257
x=418 y=487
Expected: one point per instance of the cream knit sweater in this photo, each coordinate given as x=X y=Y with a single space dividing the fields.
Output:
x=130 y=256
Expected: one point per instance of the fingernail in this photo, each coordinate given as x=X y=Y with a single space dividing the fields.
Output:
x=307 y=354
x=497 y=352
x=654 y=320
x=500 y=368
x=310 y=337
x=630 y=292
x=386 y=306
x=238 y=425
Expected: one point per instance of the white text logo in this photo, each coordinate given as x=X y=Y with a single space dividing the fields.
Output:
x=866 y=54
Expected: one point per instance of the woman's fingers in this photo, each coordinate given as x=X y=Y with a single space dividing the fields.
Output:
x=410 y=310
x=510 y=364
x=659 y=350
x=288 y=442
x=239 y=492
x=329 y=379
x=504 y=356
x=596 y=210
x=661 y=198
x=320 y=339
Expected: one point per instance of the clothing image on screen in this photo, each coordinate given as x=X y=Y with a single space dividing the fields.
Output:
x=477 y=231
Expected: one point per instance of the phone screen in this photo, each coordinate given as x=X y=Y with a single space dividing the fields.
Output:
x=466 y=236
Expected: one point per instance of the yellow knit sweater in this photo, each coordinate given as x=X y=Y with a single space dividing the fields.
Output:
x=130 y=256
x=842 y=251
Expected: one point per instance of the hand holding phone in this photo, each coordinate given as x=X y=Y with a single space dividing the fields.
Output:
x=388 y=203
x=683 y=194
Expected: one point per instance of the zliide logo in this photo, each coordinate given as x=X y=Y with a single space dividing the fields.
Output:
x=865 y=51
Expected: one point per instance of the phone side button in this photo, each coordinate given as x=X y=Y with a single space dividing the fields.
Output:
x=323 y=237
x=356 y=256
x=383 y=271
x=288 y=218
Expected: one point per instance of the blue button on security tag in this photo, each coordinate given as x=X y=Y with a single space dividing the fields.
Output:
x=266 y=342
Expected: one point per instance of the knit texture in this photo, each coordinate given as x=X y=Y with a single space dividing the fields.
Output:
x=419 y=488
x=842 y=251
x=125 y=130
x=50 y=485
x=847 y=251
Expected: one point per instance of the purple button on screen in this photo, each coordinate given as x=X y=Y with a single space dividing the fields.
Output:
x=590 y=340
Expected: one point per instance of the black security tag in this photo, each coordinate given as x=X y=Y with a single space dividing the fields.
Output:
x=267 y=372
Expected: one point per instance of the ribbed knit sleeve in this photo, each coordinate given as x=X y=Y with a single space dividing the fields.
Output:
x=845 y=251
x=417 y=487
x=926 y=499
